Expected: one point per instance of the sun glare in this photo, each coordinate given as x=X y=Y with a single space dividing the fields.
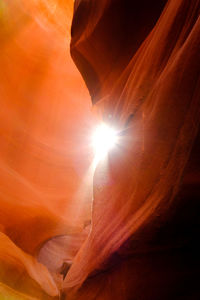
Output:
x=104 y=138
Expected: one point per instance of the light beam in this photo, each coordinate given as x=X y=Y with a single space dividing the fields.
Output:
x=104 y=138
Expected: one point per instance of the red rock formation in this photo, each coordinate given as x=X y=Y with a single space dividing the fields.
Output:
x=45 y=120
x=147 y=85
x=140 y=62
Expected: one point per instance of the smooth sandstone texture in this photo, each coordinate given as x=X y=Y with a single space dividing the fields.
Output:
x=45 y=121
x=140 y=62
x=142 y=244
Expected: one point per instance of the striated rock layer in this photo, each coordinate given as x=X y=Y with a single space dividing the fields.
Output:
x=129 y=230
x=141 y=61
